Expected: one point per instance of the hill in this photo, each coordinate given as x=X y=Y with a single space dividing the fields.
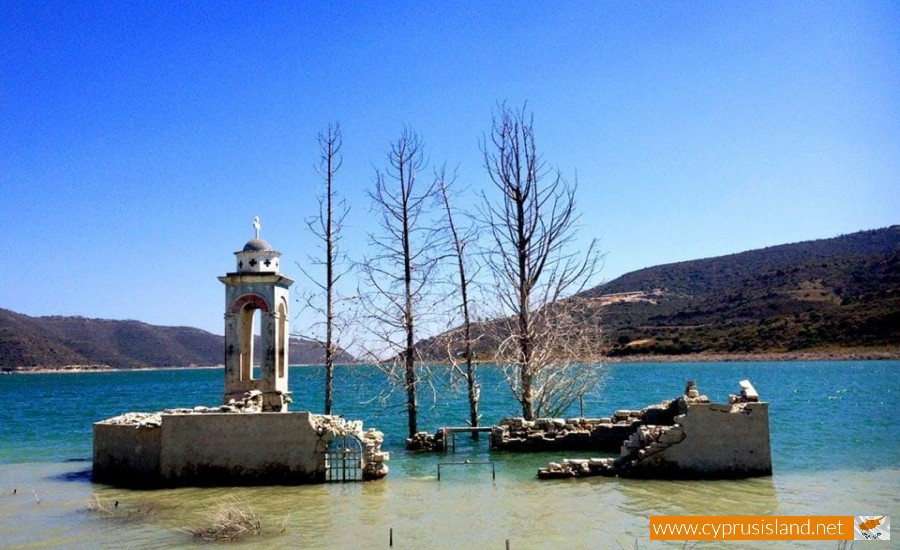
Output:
x=58 y=341
x=713 y=275
x=823 y=296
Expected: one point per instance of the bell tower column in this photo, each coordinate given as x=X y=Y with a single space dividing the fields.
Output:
x=256 y=294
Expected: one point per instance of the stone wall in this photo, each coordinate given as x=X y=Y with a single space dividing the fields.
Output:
x=584 y=434
x=209 y=447
x=226 y=449
x=711 y=440
x=707 y=440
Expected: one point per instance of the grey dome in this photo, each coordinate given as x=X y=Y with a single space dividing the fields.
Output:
x=257 y=245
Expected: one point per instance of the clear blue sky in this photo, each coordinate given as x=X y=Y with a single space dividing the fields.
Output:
x=139 y=139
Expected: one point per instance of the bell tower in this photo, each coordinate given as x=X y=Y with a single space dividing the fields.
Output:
x=256 y=289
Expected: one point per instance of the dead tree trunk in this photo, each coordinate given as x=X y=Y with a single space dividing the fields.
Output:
x=459 y=242
x=399 y=273
x=532 y=226
x=330 y=145
x=326 y=225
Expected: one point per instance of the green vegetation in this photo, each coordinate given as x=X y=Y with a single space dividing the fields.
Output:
x=823 y=296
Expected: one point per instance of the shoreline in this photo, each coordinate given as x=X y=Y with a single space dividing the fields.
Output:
x=842 y=355
x=849 y=355
x=65 y=369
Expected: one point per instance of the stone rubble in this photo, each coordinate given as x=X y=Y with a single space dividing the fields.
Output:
x=588 y=434
x=424 y=441
x=136 y=419
x=251 y=403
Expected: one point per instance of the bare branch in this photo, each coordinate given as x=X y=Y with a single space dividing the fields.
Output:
x=531 y=225
x=398 y=276
x=326 y=226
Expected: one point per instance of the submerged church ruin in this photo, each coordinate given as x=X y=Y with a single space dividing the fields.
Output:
x=251 y=438
x=688 y=438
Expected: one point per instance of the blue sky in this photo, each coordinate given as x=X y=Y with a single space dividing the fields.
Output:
x=139 y=139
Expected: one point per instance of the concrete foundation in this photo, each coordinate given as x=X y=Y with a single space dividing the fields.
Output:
x=216 y=449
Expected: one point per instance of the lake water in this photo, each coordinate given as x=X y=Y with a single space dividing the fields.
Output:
x=835 y=446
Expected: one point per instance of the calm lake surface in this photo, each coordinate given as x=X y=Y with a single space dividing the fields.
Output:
x=835 y=445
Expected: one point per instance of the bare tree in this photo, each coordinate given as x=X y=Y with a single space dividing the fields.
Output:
x=459 y=240
x=532 y=227
x=326 y=226
x=399 y=273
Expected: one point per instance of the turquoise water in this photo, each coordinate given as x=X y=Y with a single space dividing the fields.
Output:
x=823 y=414
x=835 y=448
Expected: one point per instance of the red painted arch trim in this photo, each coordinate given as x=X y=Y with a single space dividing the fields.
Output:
x=255 y=300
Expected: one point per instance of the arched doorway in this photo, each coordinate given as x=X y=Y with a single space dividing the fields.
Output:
x=344 y=459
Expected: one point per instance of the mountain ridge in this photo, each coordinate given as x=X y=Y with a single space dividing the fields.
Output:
x=56 y=341
x=874 y=241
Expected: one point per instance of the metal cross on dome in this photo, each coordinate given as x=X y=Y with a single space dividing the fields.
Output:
x=256 y=226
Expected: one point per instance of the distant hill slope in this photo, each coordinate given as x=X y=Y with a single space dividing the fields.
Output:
x=57 y=341
x=823 y=295
x=712 y=275
x=818 y=296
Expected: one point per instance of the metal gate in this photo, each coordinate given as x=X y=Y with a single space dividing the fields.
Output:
x=344 y=459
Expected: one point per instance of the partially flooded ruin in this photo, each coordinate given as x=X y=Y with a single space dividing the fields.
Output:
x=251 y=438
x=229 y=445
x=685 y=437
x=688 y=437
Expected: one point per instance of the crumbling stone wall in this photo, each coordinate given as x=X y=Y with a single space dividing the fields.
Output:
x=707 y=440
x=587 y=434
x=374 y=467
x=710 y=440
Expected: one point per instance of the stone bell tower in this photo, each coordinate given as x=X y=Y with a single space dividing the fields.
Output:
x=257 y=288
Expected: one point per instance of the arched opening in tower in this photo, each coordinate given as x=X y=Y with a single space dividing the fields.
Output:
x=251 y=331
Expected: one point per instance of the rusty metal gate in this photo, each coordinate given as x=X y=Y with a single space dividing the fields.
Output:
x=344 y=459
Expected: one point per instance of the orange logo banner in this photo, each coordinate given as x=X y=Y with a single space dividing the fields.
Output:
x=751 y=527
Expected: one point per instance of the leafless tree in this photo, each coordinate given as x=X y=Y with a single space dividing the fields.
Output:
x=532 y=226
x=459 y=241
x=399 y=273
x=326 y=226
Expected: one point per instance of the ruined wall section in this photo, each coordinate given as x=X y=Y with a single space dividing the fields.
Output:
x=707 y=441
x=711 y=440
x=604 y=434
